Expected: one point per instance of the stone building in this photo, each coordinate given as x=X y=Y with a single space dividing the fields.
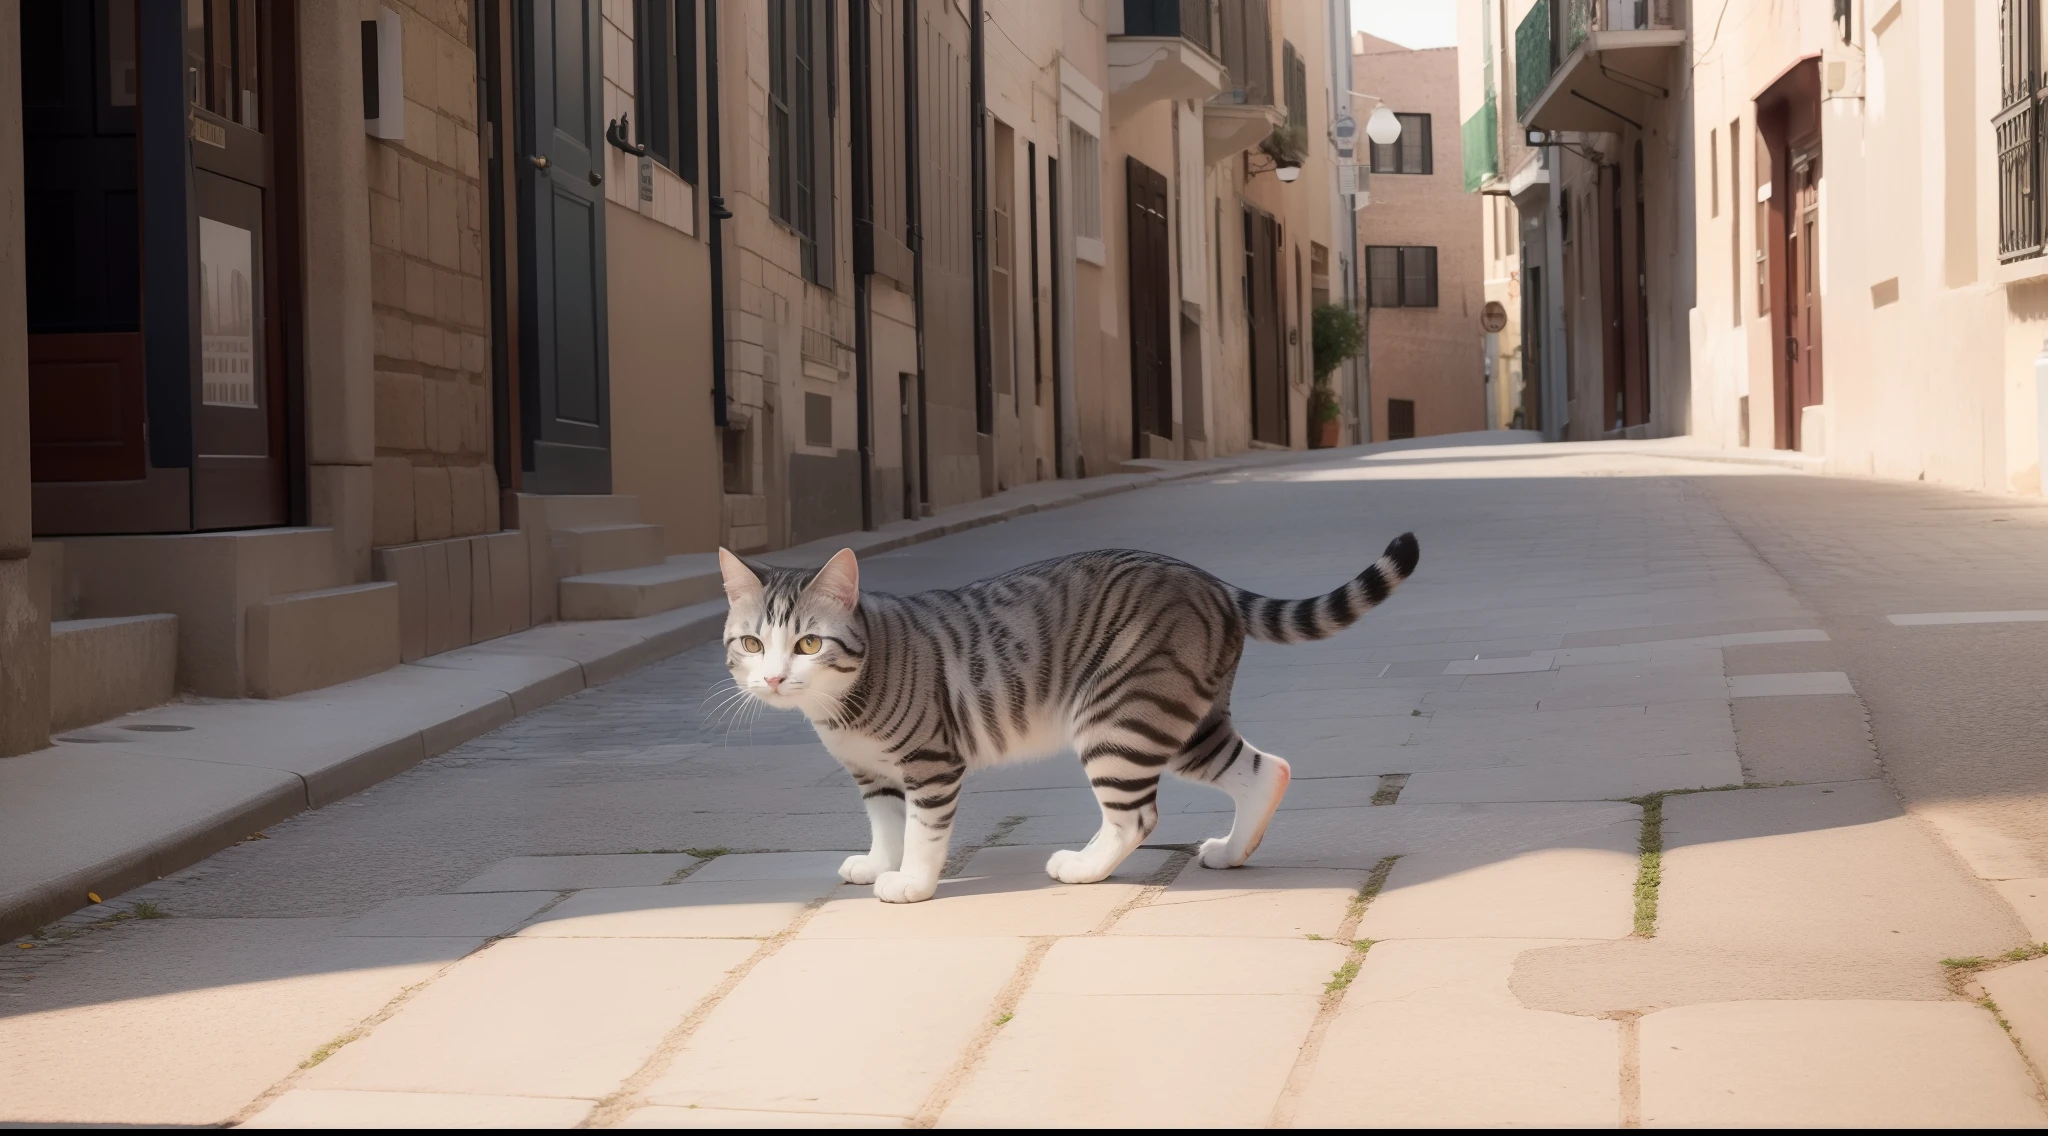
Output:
x=345 y=334
x=1420 y=245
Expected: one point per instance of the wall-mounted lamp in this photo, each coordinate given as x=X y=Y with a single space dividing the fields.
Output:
x=1287 y=173
x=1384 y=127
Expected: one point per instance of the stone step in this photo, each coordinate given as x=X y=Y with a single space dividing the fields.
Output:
x=580 y=550
x=103 y=668
x=629 y=593
x=308 y=640
x=570 y=510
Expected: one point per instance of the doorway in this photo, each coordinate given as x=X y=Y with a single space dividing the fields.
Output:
x=558 y=171
x=1267 y=345
x=1788 y=171
x=1151 y=307
x=160 y=215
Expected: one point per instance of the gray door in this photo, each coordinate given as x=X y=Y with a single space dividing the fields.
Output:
x=566 y=404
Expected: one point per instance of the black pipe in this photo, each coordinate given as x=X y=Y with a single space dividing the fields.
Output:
x=863 y=108
x=914 y=199
x=713 y=168
x=977 y=158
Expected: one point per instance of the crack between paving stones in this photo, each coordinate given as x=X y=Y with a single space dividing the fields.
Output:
x=1629 y=1086
x=955 y=1078
x=1305 y=1058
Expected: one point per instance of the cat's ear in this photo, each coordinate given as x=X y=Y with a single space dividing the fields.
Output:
x=838 y=582
x=740 y=582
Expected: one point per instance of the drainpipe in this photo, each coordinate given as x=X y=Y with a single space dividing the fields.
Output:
x=720 y=413
x=914 y=200
x=977 y=157
x=863 y=247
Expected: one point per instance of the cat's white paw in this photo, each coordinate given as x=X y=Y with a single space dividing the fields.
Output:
x=862 y=868
x=1215 y=853
x=902 y=887
x=1071 y=867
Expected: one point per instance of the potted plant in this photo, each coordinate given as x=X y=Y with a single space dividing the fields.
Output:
x=1337 y=335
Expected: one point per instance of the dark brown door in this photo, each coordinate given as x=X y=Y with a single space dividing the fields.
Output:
x=1802 y=308
x=1262 y=300
x=1151 y=302
x=1614 y=341
x=160 y=217
x=238 y=473
x=84 y=257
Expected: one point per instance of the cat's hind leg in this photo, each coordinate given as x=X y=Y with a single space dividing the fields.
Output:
x=1123 y=757
x=1256 y=780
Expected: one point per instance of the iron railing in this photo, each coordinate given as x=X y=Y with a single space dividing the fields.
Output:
x=1244 y=42
x=2018 y=130
x=1188 y=19
x=1533 y=59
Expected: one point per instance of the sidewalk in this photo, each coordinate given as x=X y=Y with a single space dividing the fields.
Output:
x=111 y=806
x=1587 y=829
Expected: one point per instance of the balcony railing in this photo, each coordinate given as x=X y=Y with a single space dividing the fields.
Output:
x=1482 y=145
x=1534 y=61
x=1188 y=19
x=2018 y=129
x=1244 y=42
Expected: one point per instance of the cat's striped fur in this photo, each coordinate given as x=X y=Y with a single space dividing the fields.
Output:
x=1125 y=657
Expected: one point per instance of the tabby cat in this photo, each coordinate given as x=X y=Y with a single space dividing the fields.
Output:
x=1124 y=657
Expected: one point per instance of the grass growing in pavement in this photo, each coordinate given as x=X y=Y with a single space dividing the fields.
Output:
x=330 y=1049
x=147 y=910
x=1372 y=885
x=1342 y=976
x=707 y=853
x=1649 y=865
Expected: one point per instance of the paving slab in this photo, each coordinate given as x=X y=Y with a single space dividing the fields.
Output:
x=881 y=1021
x=1001 y=892
x=1603 y=779
x=1804 y=891
x=475 y=914
x=1769 y=685
x=2021 y=993
x=1803 y=738
x=569 y=873
x=2029 y=900
x=1057 y=1040
x=183 y=1021
x=1429 y=1036
x=1132 y=964
x=1845 y=1064
x=1289 y=903
x=819 y=866
x=690 y=909
x=536 y=1017
x=666 y=1116
x=1580 y=889
x=349 y=1108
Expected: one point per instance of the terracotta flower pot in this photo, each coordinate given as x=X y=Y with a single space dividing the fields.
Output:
x=1327 y=433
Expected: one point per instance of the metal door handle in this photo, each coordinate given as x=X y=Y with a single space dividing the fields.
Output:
x=596 y=178
x=539 y=162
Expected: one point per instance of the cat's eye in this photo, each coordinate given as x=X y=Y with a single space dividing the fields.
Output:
x=809 y=645
x=750 y=645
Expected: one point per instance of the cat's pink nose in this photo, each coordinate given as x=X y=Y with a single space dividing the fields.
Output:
x=775 y=682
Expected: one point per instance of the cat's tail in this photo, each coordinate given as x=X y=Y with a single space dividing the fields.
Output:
x=1319 y=617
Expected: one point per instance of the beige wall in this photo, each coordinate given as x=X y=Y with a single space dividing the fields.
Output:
x=1433 y=356
x=1928 y=341
x=433 y=473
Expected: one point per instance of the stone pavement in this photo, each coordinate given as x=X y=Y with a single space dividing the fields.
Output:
x=1588 y=828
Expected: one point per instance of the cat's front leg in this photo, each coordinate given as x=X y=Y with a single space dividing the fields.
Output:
x=884 y=801
x=931 y=788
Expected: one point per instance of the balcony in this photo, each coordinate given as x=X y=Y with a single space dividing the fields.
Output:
x=1162 y=52
x=1244 y=112
x=1593 y=65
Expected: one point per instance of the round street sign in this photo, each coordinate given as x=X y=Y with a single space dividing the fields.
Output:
x=1493 y=316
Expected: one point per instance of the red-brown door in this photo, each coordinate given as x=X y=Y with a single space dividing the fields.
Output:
x=1802 y=314
x=1268 y=347
x=1151 y=307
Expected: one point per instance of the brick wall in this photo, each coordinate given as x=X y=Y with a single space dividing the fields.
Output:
x=434 y=477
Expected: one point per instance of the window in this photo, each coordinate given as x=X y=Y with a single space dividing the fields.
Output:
x=1412 y=153
x=1401 y=276
x=1294 y=72
x=1400 y=419
x=800 y=109
x=1714 y=172
x=1084 y=153
x=2017 y=130
x=665 y=87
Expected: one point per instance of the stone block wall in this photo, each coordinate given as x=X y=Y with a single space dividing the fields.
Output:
x=434 y=477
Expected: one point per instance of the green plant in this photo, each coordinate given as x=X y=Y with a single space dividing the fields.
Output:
x=1322 y=402
x=1288 y=144
x=1337 y=334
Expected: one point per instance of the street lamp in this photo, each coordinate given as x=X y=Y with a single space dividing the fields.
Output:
x=1287 y=173
x=1383 y=127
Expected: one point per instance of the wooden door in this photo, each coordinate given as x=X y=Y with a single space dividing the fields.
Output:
x=1151 y=307
x=1268 y=345
x=946 y=236
x=564 y=378
x=83 y=236
x=161 y=219
x=1802 y=308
